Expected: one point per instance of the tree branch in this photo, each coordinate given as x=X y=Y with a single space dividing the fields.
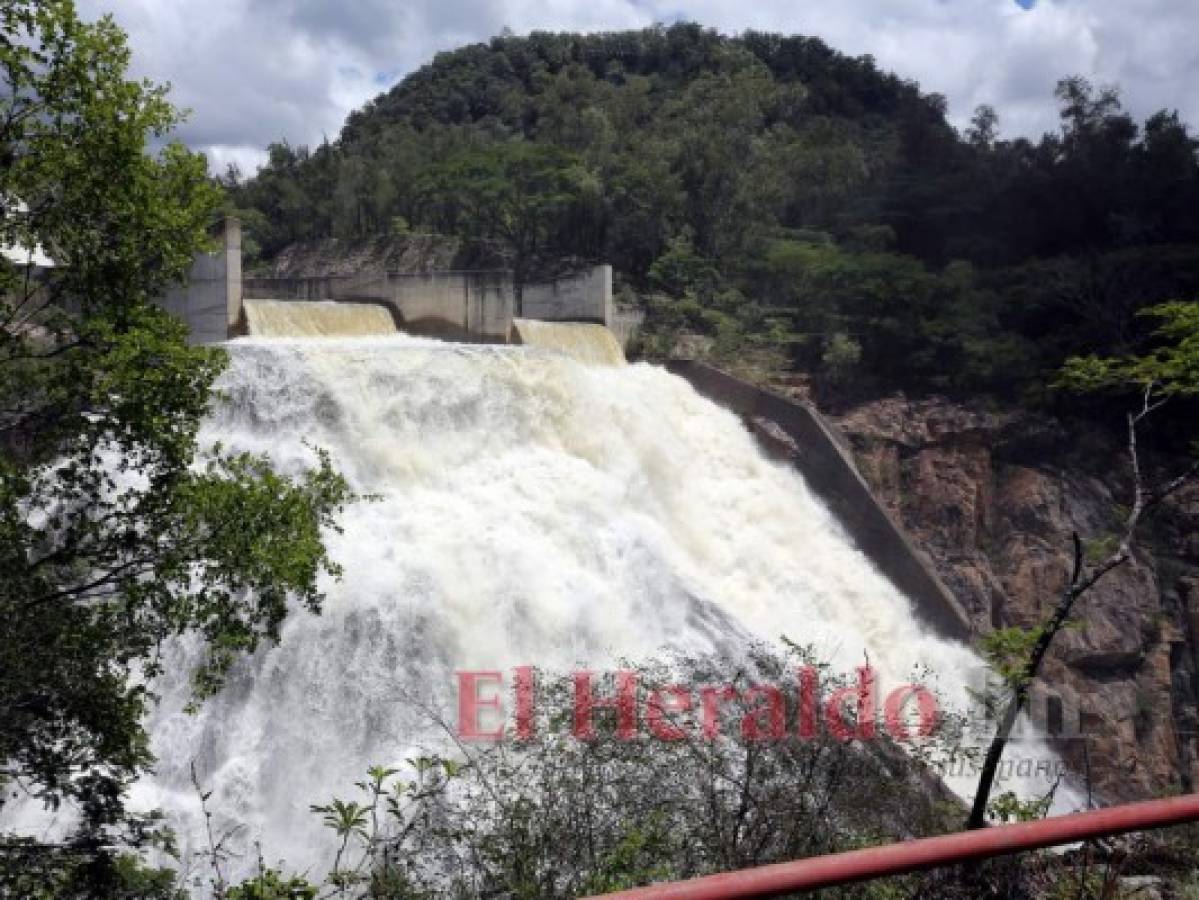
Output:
x=1080 y=583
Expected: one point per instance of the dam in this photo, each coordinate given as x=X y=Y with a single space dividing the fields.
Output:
x=574 y=315
x=586 y=342
x=469 y=306
x=271 y=318
x=531 y=501
x=519 y=507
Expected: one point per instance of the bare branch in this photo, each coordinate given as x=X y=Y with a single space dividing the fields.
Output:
x=1170 y=487
x=1080 y=582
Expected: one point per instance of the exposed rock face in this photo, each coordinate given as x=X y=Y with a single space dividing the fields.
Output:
x=331 y=257
x=992 y=501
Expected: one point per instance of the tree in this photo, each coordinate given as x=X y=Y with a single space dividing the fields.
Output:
x=984 y=127
x=117 y=532
x=1165 y=373
x=530 y=197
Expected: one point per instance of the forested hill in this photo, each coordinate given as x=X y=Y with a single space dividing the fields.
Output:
x=773 y=195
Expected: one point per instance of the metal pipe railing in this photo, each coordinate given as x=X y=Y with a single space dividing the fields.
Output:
x=926 y=853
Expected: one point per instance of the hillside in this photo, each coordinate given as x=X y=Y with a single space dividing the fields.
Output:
x=781 y=201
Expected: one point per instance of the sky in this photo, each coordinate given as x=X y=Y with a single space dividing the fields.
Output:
x=257 y=71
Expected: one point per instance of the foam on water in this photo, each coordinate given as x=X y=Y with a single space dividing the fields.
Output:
x=529 y=510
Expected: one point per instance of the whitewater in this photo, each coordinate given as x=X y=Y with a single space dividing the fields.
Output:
x=524 y=509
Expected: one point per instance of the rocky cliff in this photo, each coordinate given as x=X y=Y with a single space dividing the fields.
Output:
x=332 y=257
x=992 y=499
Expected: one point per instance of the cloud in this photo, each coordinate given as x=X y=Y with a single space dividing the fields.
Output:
x=256 y=71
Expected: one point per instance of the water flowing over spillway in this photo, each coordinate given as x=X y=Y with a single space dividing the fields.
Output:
x=316 y=318
x=585 y=342
x=528 y=509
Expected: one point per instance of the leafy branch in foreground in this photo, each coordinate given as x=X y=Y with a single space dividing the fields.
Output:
x=1167 y=371
x=116 y=532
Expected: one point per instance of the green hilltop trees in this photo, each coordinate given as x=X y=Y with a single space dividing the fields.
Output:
x=834 y=202
x=526 y=197
x=117 y=530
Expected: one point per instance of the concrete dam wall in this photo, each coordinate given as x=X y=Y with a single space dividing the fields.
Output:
x=475 y=306
x=210 y=300
x=471 y=306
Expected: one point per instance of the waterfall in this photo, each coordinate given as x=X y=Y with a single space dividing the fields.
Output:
x=287 y=318
x=526 y=509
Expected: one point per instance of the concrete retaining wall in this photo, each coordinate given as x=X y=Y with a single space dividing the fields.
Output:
x=475 y=306
x=582 y=297
x=798 y=432
x=456 y=305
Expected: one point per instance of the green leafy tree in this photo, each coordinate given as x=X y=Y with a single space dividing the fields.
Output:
x=1167 y=371
x=117 y=530
x=681 y=271
x=532 y=198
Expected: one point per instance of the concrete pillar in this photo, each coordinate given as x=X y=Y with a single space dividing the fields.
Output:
x=233 y=289
x=209 y=300
x=606 y=302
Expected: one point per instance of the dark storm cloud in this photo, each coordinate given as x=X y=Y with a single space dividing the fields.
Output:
x=255 y=71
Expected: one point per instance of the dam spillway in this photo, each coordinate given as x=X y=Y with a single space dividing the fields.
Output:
x=283 y=318
x=518 y=508
x=586 y=342
x=590 y=343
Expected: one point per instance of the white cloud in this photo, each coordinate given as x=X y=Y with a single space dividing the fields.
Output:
x=247 y=159
x=255 y=71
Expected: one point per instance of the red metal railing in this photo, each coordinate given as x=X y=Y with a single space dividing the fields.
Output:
x=927 y=853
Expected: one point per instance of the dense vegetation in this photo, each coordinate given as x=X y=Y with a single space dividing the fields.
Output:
x=117 y=529
x=769 y=192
